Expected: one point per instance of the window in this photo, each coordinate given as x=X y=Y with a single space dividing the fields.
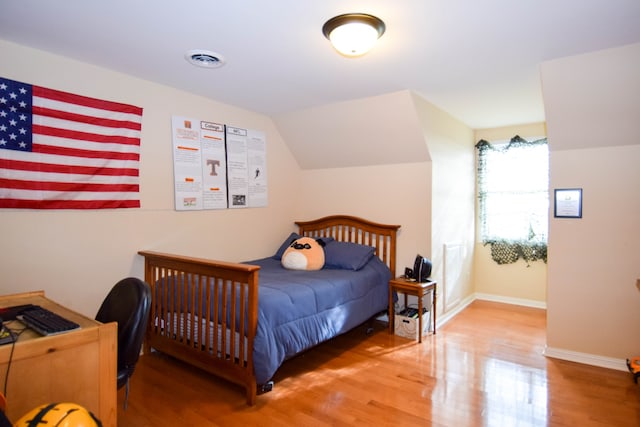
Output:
x=513 y=192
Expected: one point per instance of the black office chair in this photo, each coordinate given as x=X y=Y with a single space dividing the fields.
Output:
x=127 y=303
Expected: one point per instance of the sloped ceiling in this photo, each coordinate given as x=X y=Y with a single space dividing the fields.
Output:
x=369 y=131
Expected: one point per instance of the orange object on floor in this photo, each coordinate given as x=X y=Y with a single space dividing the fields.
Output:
x=634 y=367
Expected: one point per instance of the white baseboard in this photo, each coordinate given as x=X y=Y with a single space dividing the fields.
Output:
x=445 y=317
x=557 y=353
x=586 y=358
x=510 y=300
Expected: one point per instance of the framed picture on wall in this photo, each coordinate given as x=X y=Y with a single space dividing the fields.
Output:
x=567 y=203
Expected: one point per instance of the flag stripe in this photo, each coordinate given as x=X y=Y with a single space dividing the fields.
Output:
x=80 y=118
x=68 y=204
x=28 y=175
x=54 y=141
x=17 y=194
x=65 y=151
x=66 y=186
x=60 y=150
x=57 y=122
x=49 y=159
x=51 y=104
x=82 y=136
x=83 y=170
x=86 y=101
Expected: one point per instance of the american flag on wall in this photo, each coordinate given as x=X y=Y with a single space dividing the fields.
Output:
x=64 y=151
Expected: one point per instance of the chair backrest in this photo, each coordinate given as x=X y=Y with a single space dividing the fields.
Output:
x=127 y=303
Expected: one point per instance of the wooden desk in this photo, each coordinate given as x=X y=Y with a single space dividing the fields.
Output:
x=407 y=287
x=77 y=366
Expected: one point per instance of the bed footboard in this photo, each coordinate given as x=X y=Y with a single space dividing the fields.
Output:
x=205 y=313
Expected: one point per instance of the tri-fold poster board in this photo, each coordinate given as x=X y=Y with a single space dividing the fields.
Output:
x=216 y=166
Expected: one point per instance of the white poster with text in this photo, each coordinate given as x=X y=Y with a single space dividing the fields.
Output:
x=218 y=166
x=199 y=164
x=247 y=168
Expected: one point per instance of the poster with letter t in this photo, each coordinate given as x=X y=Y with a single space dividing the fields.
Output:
x=199 y=164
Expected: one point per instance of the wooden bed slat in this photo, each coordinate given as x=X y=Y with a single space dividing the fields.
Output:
x=230 y=291
x=233 y=284
x=346 y=228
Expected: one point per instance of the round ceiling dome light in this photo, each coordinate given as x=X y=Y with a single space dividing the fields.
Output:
x=204 y=58
x=353 y=34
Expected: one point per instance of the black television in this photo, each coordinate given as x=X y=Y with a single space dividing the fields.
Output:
x=421 y=269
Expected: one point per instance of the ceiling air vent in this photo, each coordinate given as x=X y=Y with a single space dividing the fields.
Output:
x=204 y=58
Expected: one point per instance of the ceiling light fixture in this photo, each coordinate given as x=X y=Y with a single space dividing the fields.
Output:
x=353 y=34
x=204 y=58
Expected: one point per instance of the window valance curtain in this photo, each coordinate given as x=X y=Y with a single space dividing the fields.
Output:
x=513 y=194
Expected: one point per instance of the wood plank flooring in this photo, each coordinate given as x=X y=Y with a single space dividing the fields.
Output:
x=483 y=368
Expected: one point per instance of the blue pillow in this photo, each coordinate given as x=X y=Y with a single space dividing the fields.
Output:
x=283 y=247
x=347 y=255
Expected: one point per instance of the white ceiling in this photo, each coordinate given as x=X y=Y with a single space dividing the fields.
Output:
x=477 y=60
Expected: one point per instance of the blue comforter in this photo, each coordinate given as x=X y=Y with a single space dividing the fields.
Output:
x=300 y=309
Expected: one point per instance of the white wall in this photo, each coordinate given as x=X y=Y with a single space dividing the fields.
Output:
x=76 y=256
x=592 y=103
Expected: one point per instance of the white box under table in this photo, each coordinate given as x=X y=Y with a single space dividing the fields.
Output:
x=408 y=327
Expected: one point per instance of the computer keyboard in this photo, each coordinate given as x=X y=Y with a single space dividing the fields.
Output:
x=10 y=313
x=46 y=322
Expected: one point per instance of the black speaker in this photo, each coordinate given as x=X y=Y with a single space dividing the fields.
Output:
x=421 y=268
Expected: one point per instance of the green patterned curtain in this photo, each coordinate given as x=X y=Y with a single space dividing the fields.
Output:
x=513 y=192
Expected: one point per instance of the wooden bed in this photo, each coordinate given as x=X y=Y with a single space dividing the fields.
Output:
x=233 y=294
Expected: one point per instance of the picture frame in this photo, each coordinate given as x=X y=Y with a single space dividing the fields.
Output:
x=567 y=203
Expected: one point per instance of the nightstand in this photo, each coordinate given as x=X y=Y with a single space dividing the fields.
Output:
x=420 y=290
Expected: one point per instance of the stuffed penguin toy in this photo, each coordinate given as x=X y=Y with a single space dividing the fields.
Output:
x=304 y=253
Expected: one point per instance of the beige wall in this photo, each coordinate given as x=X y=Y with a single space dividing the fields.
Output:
x=517 y=282
x=450 y=144
x=76 y=256
x=393 y=194
x=593 y=101
x=431 y=200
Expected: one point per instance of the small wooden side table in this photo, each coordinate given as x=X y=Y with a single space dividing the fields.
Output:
x=418 y=289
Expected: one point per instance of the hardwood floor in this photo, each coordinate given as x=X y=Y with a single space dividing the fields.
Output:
x=483 y=368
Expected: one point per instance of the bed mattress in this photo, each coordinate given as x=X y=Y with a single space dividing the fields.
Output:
x=300 y=309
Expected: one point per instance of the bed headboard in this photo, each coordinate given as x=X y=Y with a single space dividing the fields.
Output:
x=345 y=228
